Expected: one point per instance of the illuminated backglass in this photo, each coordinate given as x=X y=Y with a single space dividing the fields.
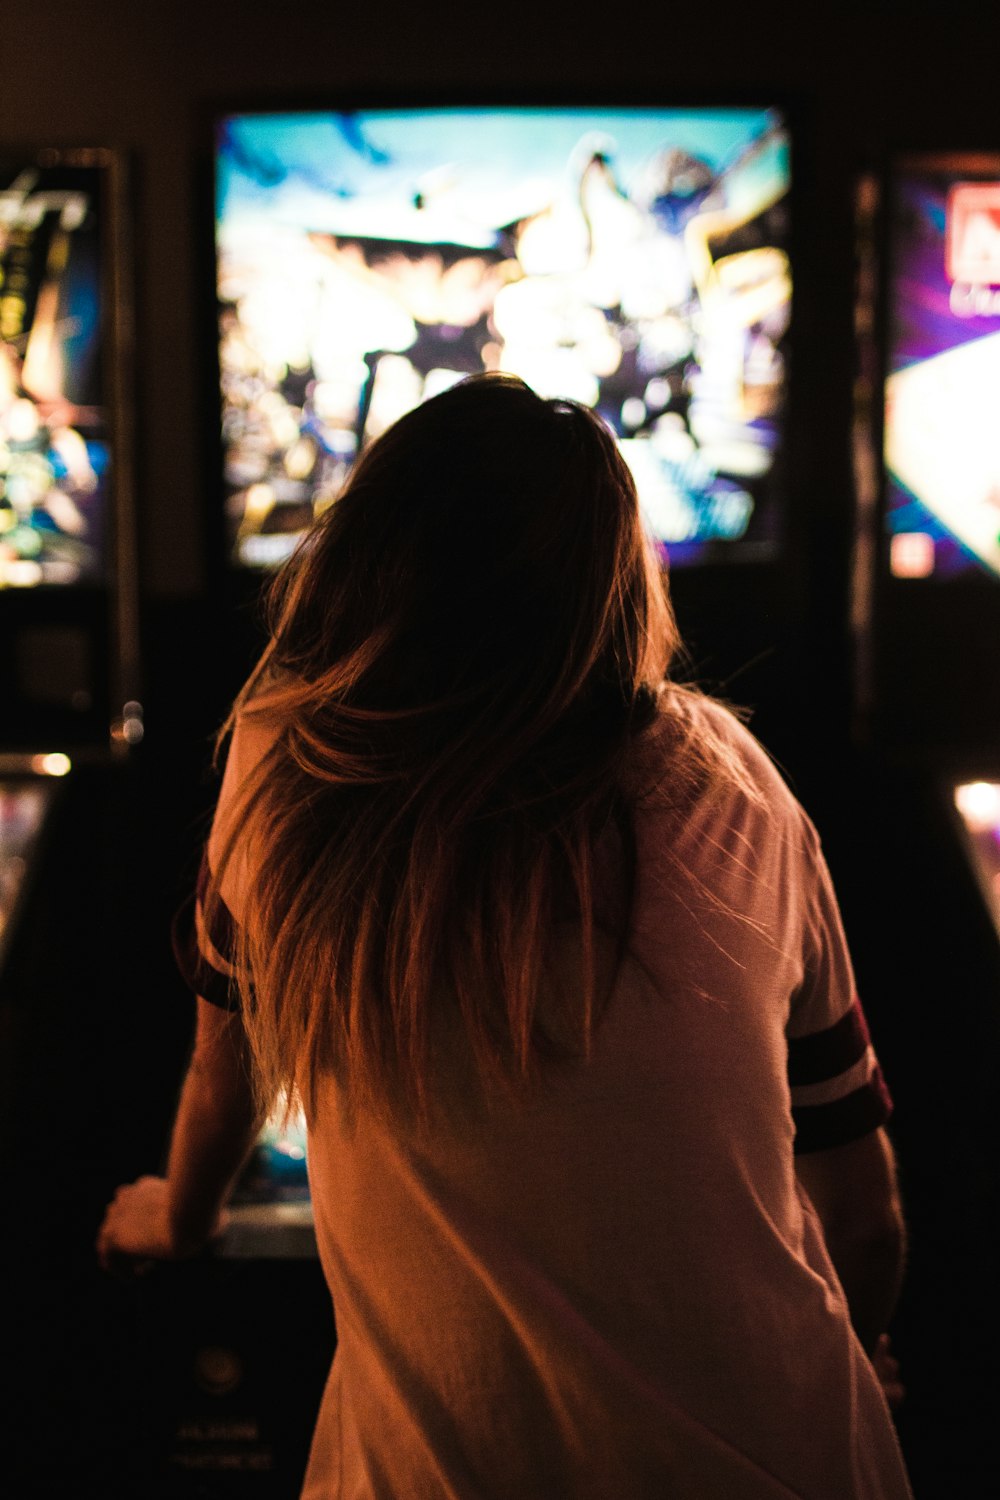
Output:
x=636 y=260
x=942 y=438
x=55 y=450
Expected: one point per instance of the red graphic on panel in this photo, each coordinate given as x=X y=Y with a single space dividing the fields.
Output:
x=972 y=243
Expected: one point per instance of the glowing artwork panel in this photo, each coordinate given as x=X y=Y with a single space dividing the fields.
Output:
x=941 y=436
x=943 y=444
x=55 y=450
x=634 y=260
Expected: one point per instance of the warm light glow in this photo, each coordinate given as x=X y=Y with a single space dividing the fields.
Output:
x=285 y=1132
x=54 y=764
x=911 y=555
x=132 y=722
x=979 y=804
x=20 y=572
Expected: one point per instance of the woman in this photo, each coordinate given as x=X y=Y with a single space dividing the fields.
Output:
x=550 y=955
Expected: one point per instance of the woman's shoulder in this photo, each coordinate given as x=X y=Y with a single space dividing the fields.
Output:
x=259 y=715
x=715 y=807
x=705 y=745
x=254 y=728
x=727 y=726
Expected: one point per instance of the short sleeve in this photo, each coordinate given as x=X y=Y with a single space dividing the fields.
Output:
x=203 y=950
x=204 y=932
x=837 y=1089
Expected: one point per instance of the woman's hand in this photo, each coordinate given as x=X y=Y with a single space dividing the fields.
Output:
x=216 y=1125
x=137 y=1229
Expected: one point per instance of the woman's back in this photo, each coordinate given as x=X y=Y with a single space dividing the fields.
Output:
x=543 y=944
x=606 y=1283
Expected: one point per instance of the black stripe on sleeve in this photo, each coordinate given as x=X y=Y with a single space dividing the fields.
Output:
x=818 y=1127
x=198 y=974
x=825 y=1054
x=221 y=928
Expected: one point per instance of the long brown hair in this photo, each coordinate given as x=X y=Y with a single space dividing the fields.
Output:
x=463 y=652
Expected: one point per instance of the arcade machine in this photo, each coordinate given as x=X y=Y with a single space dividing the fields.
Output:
x=67 y=542
x=636 y=260
x=69 y=715
x=927 y=618
x=68 y=674
x=239 y=1341
x=68 y=615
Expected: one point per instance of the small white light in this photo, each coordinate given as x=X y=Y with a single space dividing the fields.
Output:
x=291 y=1150
x=634 y=412
x=21 y=572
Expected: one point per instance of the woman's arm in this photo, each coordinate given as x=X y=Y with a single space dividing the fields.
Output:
x=217 y=1121
x=855 y=1193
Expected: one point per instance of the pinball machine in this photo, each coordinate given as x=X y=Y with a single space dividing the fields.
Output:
x=638 y=260
x=69 y=669
x=68 y=602
x=71 y=720
x=927 y=722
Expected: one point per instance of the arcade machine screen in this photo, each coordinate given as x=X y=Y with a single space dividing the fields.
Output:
x=941 y=436
x=636 y=260
x=54 y=442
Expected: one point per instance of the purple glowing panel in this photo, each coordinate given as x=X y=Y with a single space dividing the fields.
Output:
x=942 y=439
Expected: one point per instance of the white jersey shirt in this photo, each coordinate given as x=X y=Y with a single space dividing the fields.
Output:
x=610 y=1286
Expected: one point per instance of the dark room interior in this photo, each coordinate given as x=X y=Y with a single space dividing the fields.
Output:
x=875 y=695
